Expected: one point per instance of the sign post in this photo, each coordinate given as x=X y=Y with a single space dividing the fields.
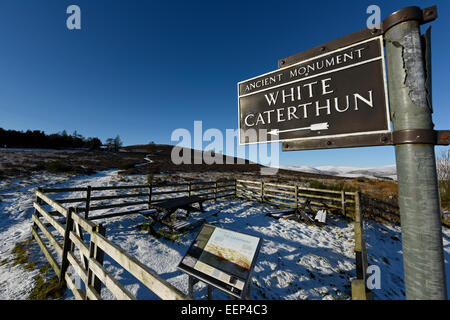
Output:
x=334 y=96
x=418 y=197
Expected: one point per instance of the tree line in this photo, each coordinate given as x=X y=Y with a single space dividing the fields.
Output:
x=60 y=140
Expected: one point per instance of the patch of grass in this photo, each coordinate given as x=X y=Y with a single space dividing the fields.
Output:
x=126 y=165
x=317 y=185
x=56 y=166
x=46 y=268
x=342 y=186
x=22 y=255
x=148 y=226
x=336 y=186
x=446 y=222
x=46 y=289
x=168 y=235
x=4 y=261
x=46 y=282
x=31 y=265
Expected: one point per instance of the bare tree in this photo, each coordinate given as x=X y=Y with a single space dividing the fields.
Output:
x=109 y=144
x=113 y=144
x=443 y=166
x=443 y=175
x=117 y=143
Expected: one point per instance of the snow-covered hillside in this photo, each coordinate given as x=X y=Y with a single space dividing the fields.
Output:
x=296 y=261
x=385 y=172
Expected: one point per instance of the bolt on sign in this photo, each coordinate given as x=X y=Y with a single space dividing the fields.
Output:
x=340 y=93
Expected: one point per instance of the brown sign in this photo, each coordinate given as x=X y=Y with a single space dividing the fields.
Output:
x=340 y=93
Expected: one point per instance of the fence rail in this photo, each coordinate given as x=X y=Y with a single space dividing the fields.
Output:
x=294 y=196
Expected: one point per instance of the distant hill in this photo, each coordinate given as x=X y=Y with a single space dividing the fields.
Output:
x=160 y=156
x=386 y=172
x=161 y=159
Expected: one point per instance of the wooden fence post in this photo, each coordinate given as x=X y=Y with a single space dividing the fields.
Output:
x=365 y=262
x=191 y=283
x=358 y=238
x=36 y=213
x=359 y=284
x=262 y=191
x=215 y=190
x=189 y=188
x=67 y=246
x=296 y=197
x=149 y=195
x=343 y=203
x=209 y=295
x=88 y=202
x=97 y=254
x=235 y=187
x=357 y=217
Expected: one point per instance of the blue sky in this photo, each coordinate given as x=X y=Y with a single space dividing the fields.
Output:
x=142 y=69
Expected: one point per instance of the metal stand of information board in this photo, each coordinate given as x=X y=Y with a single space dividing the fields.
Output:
x=193 y=280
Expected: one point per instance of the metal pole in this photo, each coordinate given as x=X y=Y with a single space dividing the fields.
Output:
x=423 y=255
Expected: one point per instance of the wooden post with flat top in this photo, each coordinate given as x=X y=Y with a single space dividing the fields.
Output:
x=88 y=202
x=97 y=254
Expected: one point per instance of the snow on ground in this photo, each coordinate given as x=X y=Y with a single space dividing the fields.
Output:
x=389 y=172
x=296 y=261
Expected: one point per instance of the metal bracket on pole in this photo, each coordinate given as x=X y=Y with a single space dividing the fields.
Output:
x=410 y=13
x=421 y=136
x=418 y=136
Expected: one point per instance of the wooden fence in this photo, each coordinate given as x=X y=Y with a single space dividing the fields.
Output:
x=295 y=196
x=69 y=238
x=141 y=196
x=292 y=196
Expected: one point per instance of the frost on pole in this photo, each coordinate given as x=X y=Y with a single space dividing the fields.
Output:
x=340 y=93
